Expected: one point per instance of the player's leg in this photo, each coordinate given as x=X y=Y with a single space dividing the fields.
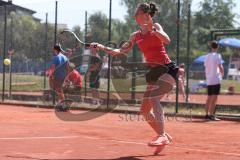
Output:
x=212 y=108
x=59 y=90
x=207 y=106
x=95 y=92
x=164 y=139
x=145 y=111
x=208 y=101
x=56 y=85
x=182 y=89
x=216 y=91
x=213 y=104
x=158 y=113
x=165 y=84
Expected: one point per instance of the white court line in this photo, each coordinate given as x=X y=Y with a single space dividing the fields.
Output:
x=114 y=140
x=30 y=138
x=180 y=147
x=119 y=141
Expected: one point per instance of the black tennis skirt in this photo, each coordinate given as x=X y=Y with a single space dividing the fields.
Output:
x=155 y=72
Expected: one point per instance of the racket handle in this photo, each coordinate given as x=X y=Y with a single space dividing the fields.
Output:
x=87 y=44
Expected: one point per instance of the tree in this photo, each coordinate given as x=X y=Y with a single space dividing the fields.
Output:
x=28 y=36
x=99 y=29
x=98 y=24
x=28 y=39
x=213 y=14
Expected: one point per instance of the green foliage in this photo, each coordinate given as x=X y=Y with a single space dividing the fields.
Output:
x=68 y=40
x=32 y=82
x=98 y=23
x=212 y=15
x=29 y=35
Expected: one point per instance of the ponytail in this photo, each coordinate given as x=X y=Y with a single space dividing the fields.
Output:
x=150 y=8
x=153 y=9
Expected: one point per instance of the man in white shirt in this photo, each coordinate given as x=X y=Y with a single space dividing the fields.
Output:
x=214 y=73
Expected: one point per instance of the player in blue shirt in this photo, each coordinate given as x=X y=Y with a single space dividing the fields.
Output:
x=58 y=72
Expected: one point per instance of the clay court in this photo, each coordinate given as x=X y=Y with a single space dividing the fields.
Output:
x=223 y=99
x=36 y=133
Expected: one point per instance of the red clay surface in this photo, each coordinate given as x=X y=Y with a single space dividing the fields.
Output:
x=193 y=98
x=34 y=133
x=201 y=99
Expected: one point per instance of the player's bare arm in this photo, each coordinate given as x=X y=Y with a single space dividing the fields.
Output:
x=125 y=48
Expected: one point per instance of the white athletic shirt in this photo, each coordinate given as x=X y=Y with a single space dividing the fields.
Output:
x=213 y=75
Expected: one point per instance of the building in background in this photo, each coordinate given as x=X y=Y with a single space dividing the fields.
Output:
x=234 y=68
x=18 y=10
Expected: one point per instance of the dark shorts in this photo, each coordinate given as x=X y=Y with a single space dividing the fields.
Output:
x=155 y=72
x=214 y=89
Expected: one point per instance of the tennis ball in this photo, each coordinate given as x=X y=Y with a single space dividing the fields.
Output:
x=7 y=61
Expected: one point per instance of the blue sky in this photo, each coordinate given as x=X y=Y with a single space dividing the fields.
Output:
x=72 y=12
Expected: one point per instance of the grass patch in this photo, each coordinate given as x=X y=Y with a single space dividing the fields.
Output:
x=36 y=83
x=21 y=82
x=225 y=84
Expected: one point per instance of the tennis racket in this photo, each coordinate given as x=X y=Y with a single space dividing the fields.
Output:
x=75 y=36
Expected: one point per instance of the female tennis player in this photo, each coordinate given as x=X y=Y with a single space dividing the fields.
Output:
x=162 y=73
